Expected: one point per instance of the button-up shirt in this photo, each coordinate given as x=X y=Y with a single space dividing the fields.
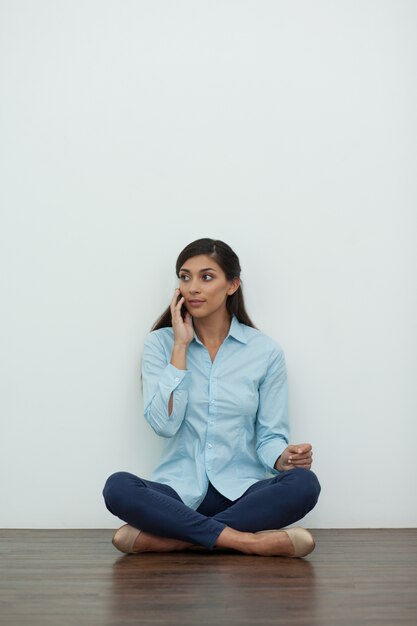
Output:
x=229 y=421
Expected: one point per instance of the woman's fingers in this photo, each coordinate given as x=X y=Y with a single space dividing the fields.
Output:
x=301 y=455
x=299 y=448
x=296 y=455
x=306 y=455
x=300 y=451
x=183 y=326
x=304 y=463
x=301 y=463
x=175 y=300
x=175 y=303
x=302 y=448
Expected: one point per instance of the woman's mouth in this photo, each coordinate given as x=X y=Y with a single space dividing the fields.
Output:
x=196 y=302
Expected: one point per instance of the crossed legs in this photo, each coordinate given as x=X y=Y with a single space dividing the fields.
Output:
x=167 y=524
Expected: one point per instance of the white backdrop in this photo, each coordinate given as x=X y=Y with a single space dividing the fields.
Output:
x=129 y=129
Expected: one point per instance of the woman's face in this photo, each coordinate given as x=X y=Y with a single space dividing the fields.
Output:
x=201 y=278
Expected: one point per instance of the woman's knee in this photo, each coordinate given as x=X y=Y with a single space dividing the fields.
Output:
x=114 y=488
x=308 y=485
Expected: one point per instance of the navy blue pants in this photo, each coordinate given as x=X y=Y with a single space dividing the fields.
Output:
x=157 y=508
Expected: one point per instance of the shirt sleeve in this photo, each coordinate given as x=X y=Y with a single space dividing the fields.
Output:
x=272 y=421
x=159 y=379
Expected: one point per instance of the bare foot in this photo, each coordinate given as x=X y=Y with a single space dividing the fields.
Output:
x=146 y=542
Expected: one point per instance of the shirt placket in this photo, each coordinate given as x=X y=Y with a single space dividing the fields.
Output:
x=212 y=415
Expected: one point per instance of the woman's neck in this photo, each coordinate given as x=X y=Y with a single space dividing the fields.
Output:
x=212 y=330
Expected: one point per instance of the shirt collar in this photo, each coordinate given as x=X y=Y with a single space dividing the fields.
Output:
x=236 y=330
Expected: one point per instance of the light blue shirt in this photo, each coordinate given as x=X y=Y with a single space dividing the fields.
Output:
x=229 y=422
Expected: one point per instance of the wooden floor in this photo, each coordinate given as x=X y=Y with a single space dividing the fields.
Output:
x=62 y=577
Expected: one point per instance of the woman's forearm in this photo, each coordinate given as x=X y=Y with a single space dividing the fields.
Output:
x=178 y=359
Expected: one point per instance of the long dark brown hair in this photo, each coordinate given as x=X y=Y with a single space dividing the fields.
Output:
x=228 y=261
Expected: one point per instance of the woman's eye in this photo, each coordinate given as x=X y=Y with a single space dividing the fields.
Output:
x=204 y=275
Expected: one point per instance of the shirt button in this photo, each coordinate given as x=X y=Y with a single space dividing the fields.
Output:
x=213 y=401
x=176 y=379
x=209 y=445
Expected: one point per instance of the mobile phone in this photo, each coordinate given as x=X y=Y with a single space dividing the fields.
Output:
x=183 y=308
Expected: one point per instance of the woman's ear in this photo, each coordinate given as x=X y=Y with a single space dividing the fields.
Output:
x=235 y=286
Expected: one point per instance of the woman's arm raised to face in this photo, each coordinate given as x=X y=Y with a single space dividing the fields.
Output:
x=183 y=334
x=179 y=360
x=183 y=327
x=164 y=381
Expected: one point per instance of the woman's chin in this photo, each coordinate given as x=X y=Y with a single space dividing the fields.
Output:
x=197 y=313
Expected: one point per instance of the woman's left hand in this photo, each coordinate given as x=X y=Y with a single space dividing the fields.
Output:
x=295 y=455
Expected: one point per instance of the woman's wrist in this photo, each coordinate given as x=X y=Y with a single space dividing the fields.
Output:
x=278 y=465
x=179 y=356
x=180 y=346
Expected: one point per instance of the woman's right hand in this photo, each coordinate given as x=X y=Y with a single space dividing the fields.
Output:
x=183 y=328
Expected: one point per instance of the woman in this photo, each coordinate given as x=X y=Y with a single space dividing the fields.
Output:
x=215 y=388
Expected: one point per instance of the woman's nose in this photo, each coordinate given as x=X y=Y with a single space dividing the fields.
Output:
x=193 y=287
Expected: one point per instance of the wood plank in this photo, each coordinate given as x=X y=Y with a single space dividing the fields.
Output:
x=66 y=577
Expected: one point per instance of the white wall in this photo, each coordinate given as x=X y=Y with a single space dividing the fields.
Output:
x=129 y=129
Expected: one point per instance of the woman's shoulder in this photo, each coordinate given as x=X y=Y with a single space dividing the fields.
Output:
x=159 y=336
x=262 y=341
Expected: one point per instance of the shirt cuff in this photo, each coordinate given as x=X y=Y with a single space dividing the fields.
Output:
x=270 y=453
x=172 y=377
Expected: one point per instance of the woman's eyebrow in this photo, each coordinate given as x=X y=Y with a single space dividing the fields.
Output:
x=183 y=269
